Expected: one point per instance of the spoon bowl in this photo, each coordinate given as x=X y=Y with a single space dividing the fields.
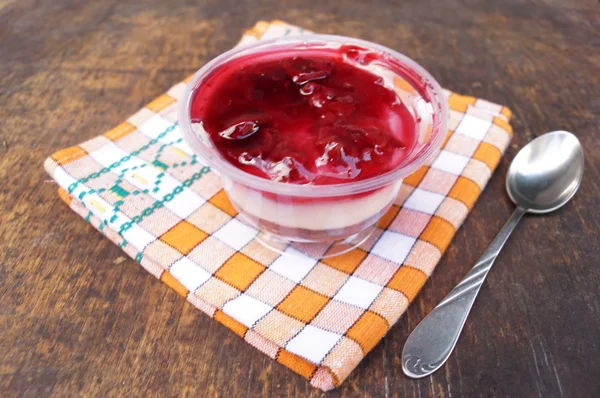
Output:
x=546 y=173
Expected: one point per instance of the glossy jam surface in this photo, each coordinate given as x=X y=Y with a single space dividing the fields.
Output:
x=305 y=116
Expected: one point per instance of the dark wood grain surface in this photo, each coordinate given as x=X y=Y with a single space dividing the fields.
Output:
x=79 y=319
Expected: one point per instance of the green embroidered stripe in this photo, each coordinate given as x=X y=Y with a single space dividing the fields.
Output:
x=124 y=159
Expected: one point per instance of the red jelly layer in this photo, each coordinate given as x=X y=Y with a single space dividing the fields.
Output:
x=305 y=116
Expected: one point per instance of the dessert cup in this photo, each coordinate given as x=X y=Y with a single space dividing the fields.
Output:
x=341 y=215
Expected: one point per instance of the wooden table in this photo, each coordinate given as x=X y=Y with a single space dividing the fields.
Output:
x=71 y=325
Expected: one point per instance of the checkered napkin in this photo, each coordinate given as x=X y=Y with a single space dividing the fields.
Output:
x=142 y=187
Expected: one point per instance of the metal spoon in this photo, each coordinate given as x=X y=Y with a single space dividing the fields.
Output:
x=543 y=176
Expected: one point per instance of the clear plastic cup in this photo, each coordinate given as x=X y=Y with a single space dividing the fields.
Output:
x=343 y=214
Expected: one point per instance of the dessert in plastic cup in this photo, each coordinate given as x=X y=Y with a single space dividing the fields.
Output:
x=312 y=135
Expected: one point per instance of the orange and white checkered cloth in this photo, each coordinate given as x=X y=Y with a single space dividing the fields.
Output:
x=142 y=187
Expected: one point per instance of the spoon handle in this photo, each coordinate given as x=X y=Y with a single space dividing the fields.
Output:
x=432 y=341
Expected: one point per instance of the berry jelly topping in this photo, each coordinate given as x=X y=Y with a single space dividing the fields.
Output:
x=305 y=116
